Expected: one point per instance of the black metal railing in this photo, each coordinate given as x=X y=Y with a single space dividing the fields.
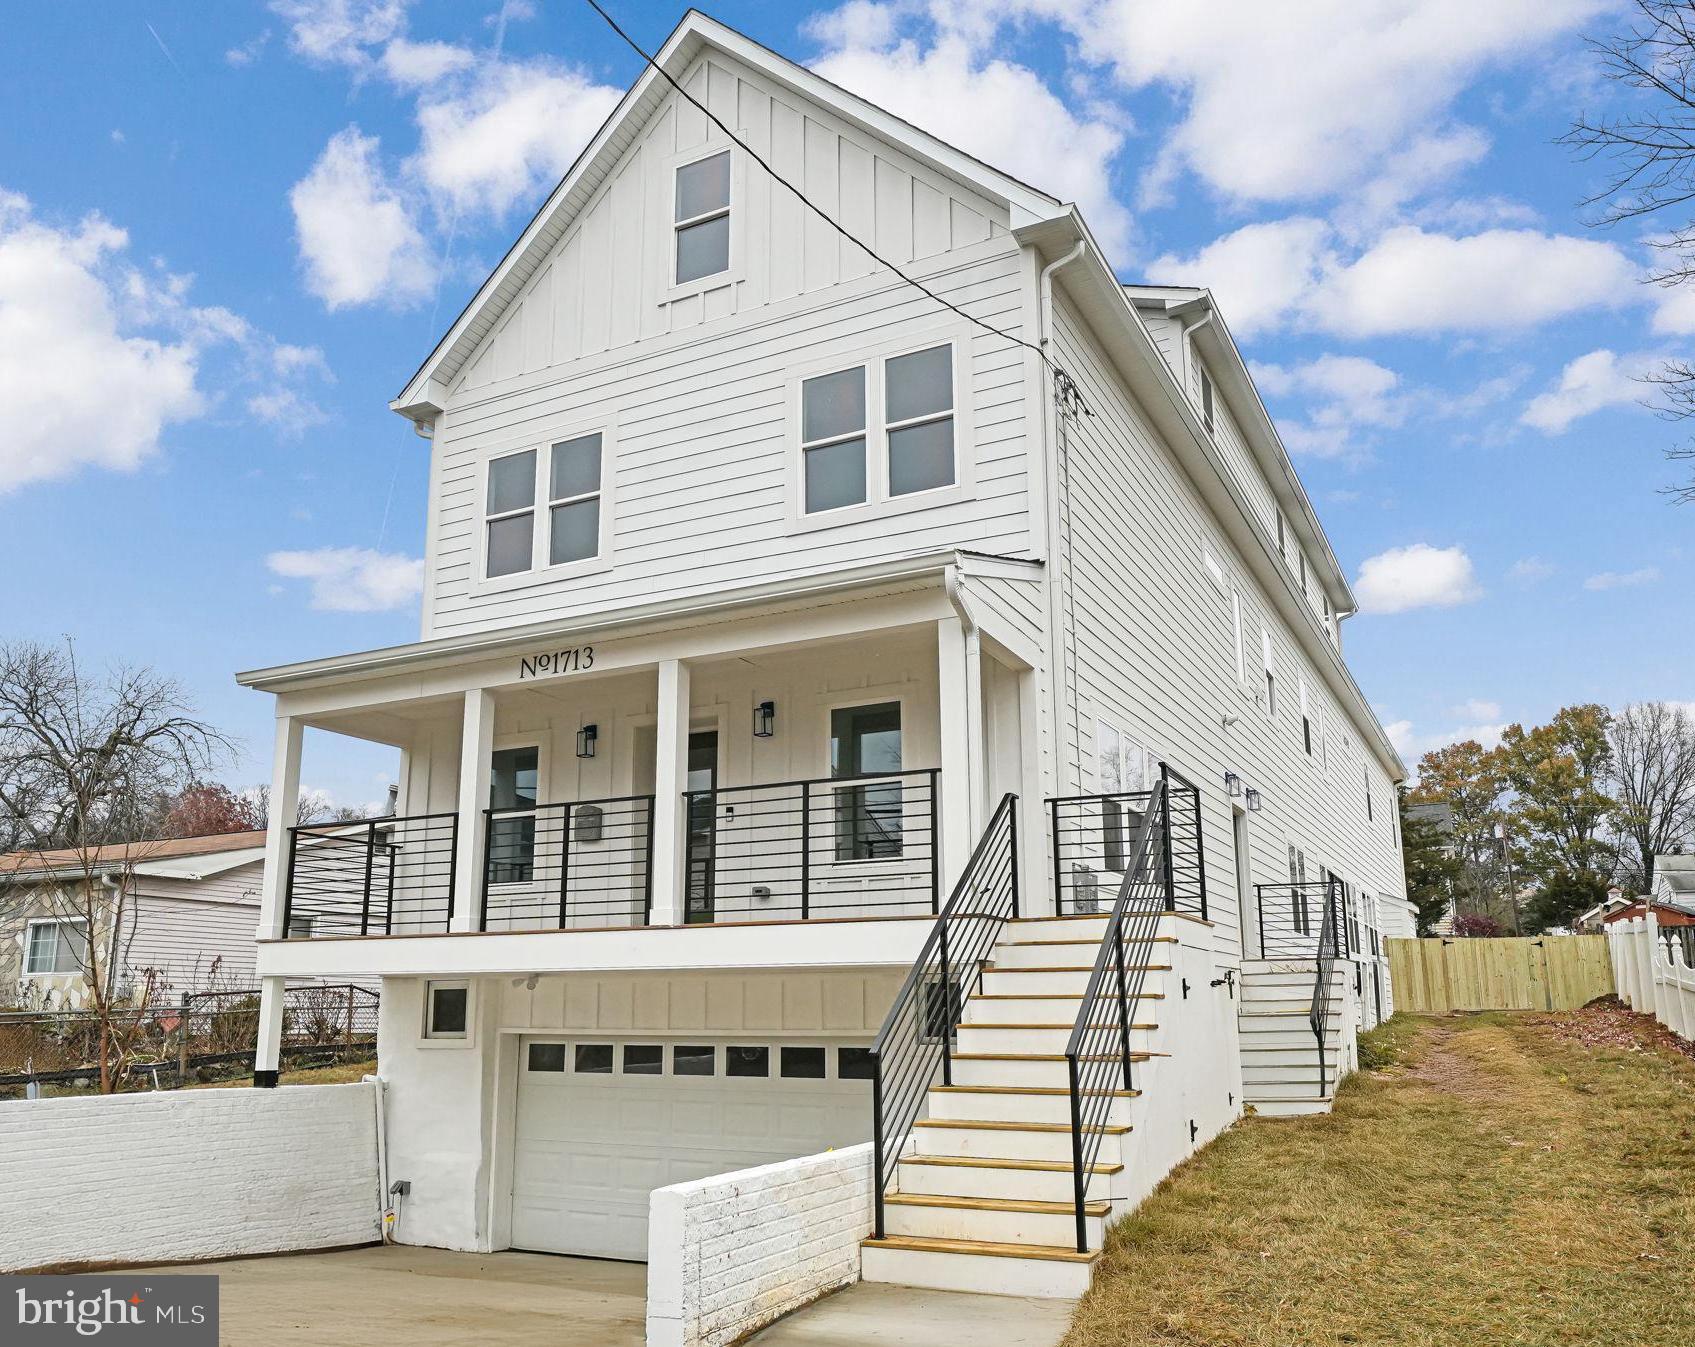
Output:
x=1328 y=951
x=385 y=876
x=1097 y=1055
x=1094 y=838
x=846 y=846
x=573 y=865
x=915 y=1044
x=1291 y=917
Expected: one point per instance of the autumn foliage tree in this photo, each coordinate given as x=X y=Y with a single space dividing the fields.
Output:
x=203 y=810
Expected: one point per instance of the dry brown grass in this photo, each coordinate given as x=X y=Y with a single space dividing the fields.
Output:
x=1522 y=1179
x=342 y=1073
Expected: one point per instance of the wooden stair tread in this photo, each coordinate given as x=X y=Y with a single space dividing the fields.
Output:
x=995 y=1125
x=1047 y=1056
x=1030 y=1089
x=1067 y=1025
x=1051 y=996
x=1085 y=968
x=1156 y=940
x=990 y=1162
x=1052 y=1253
x=1027 y=1206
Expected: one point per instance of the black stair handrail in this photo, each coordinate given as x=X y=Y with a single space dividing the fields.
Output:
x=1097 y=1055
x=1328 y=950
x=916 y=1040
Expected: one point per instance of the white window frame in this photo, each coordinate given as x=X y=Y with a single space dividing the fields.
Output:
x=1238 y=634
x=902 y=695
x=1268 y=678
x=427 y=1037
x=1208 y=397
x=542 y=572
x=878 y=503
x=29 y=941
x=737 y=270
x=1213 y=567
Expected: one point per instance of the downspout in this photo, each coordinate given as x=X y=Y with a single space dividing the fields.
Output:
x=975 y=758
x=1183 y=335
x=115 y=887
x=1059 y=531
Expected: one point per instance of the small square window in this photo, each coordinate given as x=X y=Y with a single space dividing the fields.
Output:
x=449 y=1010
x=855 y=1064
x=594 y=1059
x=803 y=1063
x=547 y=1056
x=747 y=1061
x=644 y=1059
x=694 y=1060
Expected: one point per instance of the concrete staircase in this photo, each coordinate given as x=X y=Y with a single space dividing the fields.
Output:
x=1280 y=1075
x=983 y=1198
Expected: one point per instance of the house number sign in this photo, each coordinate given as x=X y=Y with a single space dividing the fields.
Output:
x=553 y=662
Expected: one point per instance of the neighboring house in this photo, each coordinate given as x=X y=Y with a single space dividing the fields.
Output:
x=1440 y=815
x=1672 y=901
x=1593 y=921
x=767 y=604
x=189 y=914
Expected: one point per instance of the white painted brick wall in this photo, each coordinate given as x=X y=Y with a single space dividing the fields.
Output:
x=187 y=1174
x=733 y=1252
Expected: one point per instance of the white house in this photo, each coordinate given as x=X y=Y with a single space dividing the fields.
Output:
x=180 y=911
x=778 y=600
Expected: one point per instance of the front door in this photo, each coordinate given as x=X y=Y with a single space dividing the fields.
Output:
x=698 y=903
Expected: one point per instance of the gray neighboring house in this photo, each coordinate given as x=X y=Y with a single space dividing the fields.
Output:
x=191 y=918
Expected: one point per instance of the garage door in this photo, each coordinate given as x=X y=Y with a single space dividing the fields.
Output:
x=603 y=1122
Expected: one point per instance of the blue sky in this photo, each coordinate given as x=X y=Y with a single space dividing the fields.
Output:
x=228 y=233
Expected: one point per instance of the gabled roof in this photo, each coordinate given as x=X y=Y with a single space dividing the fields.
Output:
x=163 y=856
x=422 y=397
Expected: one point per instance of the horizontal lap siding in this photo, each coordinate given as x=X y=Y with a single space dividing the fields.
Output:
x=182 y=928
x=1156 y=655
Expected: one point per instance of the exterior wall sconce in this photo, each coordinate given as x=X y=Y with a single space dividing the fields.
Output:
x=1254 y=802
x=586 y=740
x=764 y=720
x=1232 y=785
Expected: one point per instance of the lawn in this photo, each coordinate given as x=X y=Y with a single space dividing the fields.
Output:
x=1500 y=1179
x=339 y=1073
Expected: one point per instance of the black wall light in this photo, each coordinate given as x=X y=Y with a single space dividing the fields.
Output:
x=586 y=738
x=1232 y=785
x=764 y=720
x=1255 y=803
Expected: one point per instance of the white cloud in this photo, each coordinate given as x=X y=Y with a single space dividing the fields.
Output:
x=340 y=32
x=1646 y=575
x=1419 y=576
x=356 y=237
x=1259 y=273
x=248 y=52
x=859 y=23
x=412 y=65
x=508 y=132
x=353 y=579
x=1530 y=570
x=997 y=110
x=82 y=379
x=1478 y=710
x=1587 y=384
x=1412 y=743
x=1351 y=394
x=286 y=409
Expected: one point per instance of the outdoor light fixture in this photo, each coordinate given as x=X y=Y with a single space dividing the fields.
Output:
x=764 y=720
x=1232 y=784
x=586 y=739
x=1254 y=801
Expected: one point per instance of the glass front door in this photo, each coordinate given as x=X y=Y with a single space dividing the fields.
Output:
x=703 y=814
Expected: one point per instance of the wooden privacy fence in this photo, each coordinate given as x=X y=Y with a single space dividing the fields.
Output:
x=1556 y=972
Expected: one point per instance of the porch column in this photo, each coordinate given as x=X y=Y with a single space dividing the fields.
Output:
x=670 y=780
x=476 y=751
x=960 y=684
x=284 y=805
x=267 y=1051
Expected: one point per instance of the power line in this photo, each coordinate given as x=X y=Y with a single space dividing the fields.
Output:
x=1065 y=381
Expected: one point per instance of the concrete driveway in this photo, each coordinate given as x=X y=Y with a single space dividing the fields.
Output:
x=423 y=1297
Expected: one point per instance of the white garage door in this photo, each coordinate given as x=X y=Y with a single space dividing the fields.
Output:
x=603 y=1122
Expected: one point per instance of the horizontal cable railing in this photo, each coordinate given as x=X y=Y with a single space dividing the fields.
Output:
x=850 y=846
x=1097 y=1055
x=1094 y=839
x=1329 y=950
x=572 y=865
x=915 y=1044
x=387 y=876
x=1291 y=917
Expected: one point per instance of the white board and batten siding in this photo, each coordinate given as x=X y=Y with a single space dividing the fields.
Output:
x=693 y=387
x=1157 y=661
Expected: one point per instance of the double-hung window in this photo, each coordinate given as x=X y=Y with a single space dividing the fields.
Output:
x=566 y=483
x=56 y=947
x=701 y=218
x=878 y=432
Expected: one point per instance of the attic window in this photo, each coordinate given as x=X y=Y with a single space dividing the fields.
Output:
x=701 y=218
x=1206 y=397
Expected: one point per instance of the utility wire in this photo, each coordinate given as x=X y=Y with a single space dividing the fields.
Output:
x=1064 y=379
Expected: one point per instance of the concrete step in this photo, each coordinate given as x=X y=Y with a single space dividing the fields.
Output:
x=1002 y=1180
x=1290 y=1108
x=1051 y=980
x=993 y=1220
x=1036 y=1037
x=989 y=1140
x=1023 y=1103
x=1025 y=1069
x=1053 y=1007
x=1048 y=1272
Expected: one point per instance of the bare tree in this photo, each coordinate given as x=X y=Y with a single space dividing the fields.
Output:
x=1653 y=749
x=1650 y=155
x=311 y=807
x=87 y=766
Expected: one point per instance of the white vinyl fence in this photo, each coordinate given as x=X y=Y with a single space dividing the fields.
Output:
x=1654 y=971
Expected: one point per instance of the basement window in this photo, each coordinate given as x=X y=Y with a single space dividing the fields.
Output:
x=448 y=1010
x=701 y=218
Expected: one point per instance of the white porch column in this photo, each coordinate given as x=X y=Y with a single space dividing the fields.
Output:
x=476 y=749
x=960 y=687
x=670 y=780
x=267 y=1052
x=284 y=804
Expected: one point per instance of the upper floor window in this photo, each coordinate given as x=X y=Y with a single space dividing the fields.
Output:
x=1270 y=673
x=567 y=482
x=1236 y=633
x=1206 y=397
x=701 y=218
x=904 y=405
